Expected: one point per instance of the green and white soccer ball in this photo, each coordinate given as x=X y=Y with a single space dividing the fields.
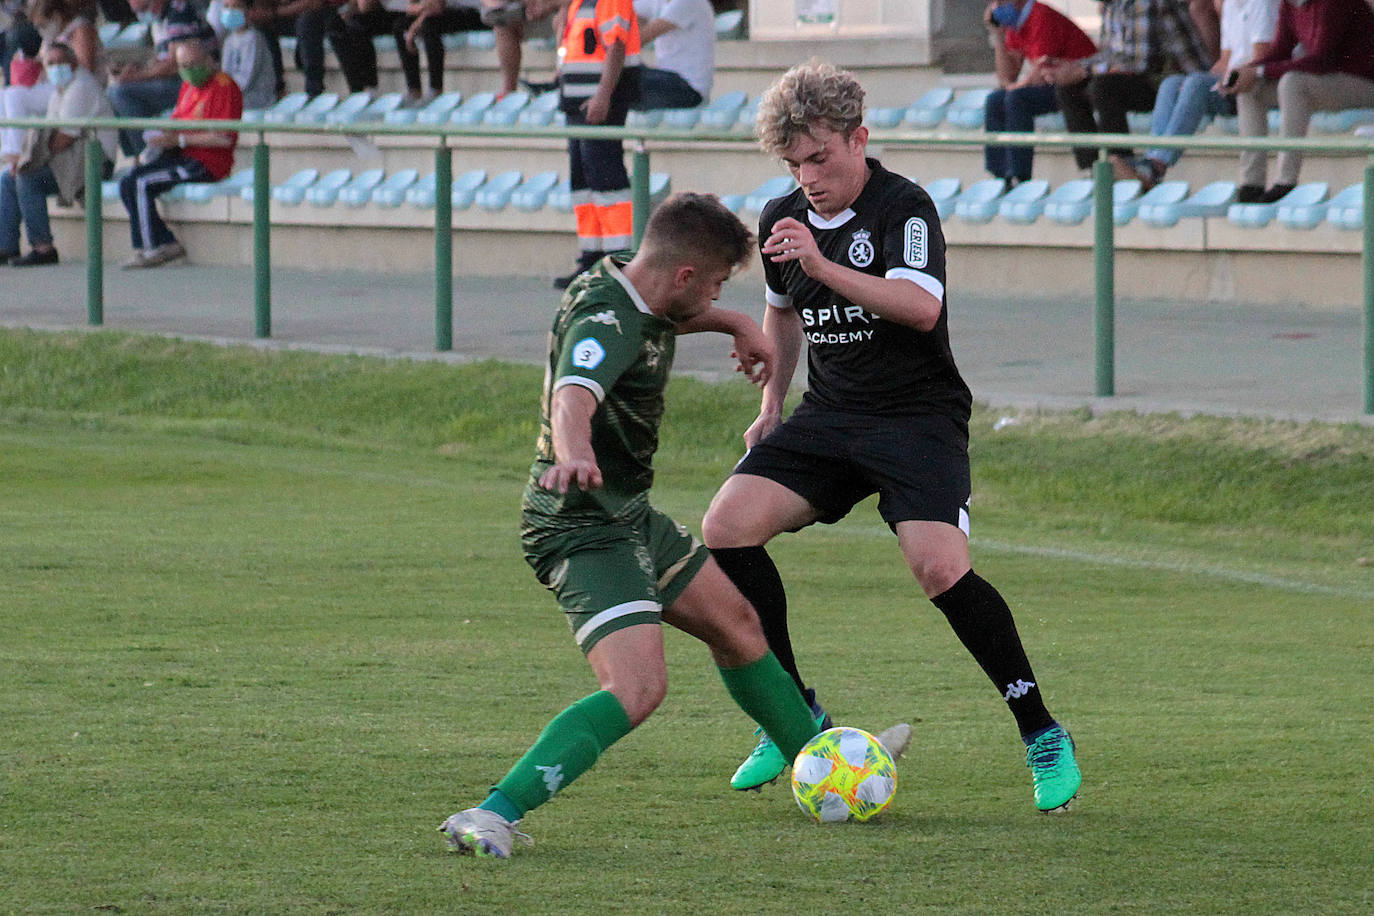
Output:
x=843 y=774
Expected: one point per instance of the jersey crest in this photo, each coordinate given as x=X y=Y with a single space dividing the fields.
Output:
x=861 y=249
x=914 y=250
x=588 y=353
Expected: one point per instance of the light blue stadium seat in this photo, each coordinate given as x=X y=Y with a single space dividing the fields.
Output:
x=1257 y=216
x=722 y=112
x=1159 y=206
x=533 y=193
x=884 y=117
x=1138 y=121
x=979 y=203
x=392 y=192
x=1051 y=123
x=646 y=119
x=285 y=109
x=229 y=187
x=454 y=41
x=777 y=186
x=436 y=112
x=660 y=186
x=384 y=43
x=1227 y=124
x=943 y=192
x=133 y=35
x=729 y=25
x=1275 y=120
x=1211 y=200
x=421 y=193
x=292 y=191
x=505 y=110
x=1125 y=200
x=1341 y=122
x=560 y=197
x=481 y=40
x=1347 y=208
x=172 y=194
x=357 y=192
x=732 y=202
x=347 y=111
x=929 y=109
x=745 y=120
x=325 y=192
x=282 y=113
x=471 y=111
x=1070 y=203
x=465 y=187
x=540 y=111
x=288 y=44
x=1304 y=211
x=495 y=194
x=380 y=107
x=317 y=109
x=966 y=109
x=107 y=32
x=679 y=118
x=1025 y=202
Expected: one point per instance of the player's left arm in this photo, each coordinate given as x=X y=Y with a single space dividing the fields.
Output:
x=753 y=350
x=895 y=299
x=570 y=415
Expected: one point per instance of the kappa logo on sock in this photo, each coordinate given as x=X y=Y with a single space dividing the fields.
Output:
x=1018 y=690
x=553 y=777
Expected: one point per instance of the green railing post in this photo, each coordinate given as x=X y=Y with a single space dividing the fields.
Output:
x=1368 y=257
x=95 y=234
x=443 y=247
x=262 y=241
x=1104 y=266
x=639 y=186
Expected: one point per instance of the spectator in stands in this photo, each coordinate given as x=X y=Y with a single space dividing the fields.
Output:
x=53 y=160
x=507 y=19
x=1140 y=40
x=1021 y=31
x=245 y=55
x=309 y=21
x=426 y=23
x=27 y=94
x=181 y=155
x=360 y=22
x=20 y=33
x=683 y=33
x=1335 y=70
x=69 y=21
x=1247 y=31
x=145 y=90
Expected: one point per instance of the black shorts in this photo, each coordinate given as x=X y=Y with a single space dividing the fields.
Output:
x=918 y=465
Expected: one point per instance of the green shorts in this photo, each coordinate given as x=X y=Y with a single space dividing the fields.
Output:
x=610 y=576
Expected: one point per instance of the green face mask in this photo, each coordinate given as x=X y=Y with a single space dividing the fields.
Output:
x=197 y=74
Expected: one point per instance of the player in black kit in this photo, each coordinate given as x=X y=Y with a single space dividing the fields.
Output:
x=854 y=262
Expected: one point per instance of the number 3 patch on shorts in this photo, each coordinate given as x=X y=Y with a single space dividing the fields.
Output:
x=588 y=353
x=915 y=239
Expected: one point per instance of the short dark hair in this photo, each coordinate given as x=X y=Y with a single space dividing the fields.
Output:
x=61 y=47
x=697 y=228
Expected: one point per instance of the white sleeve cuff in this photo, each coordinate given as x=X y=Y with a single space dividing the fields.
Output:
x=590 y=384
x=776 y=299
x=923 y=280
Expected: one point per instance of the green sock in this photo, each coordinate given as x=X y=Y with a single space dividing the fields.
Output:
x=769 y=695
x=565 y=749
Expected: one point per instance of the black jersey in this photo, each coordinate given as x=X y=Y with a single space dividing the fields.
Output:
x=856 y=360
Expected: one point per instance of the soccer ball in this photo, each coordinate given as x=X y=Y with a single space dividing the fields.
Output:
x=843 y=774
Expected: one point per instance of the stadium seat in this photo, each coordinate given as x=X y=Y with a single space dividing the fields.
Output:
x=649 y=119
x=356 y=192
x=282 y=113
x=560 y=196
x=943 y=192
x=722 y=112
x=884 y=117
x=1304 y=211
x=380 y=107
x=1159 y=205
x=436 y=112
x=680 y=118
x=533 y=193
x=929 y=109
x=421 y=193
x=966 y=109
x=979 y=203
x=505 y=110
x=230 y=187
x=1347 y=208
x=285 y=109
x=1025 y=202
x=1341 y=122
x=757 y=199
x=1138 y=121
x=392 y=192
x=745 y=120
x=454 y=41
x=540 y=111
x=660 y=186
x=318 y=108
x=1211 y=200
x=1051 y=123
x=107 y=32
x=464 y=189
x=732 y=202
x=325 y=192
x=1070 y=203
x=470 y=111
x=730 y=25
x=1125 y=201
x=292 y=191
x=347 y=111
x=1257 y=216
x=481 y=40
x=495 y=194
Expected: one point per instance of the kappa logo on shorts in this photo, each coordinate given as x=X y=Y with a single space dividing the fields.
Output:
x=607 y=318
x=588 y=353
x=861 y=249
x=914 y=238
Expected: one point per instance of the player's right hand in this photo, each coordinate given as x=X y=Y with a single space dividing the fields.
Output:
x=585 y=475
x=760 y=428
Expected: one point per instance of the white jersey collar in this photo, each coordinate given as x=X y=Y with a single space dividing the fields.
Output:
x=635 y=297
x=835 y=222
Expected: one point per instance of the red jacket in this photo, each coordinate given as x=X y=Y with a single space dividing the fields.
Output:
x=1337 y=36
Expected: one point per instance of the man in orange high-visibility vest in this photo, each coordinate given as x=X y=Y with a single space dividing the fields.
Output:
x=598 y=78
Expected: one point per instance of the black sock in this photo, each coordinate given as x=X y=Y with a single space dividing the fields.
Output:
x=983 y=623
x=753 y=572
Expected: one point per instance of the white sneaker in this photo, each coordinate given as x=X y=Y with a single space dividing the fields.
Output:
x=478 y=831
x=896 y=739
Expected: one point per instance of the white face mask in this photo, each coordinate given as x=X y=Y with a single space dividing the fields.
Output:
x=60 y=75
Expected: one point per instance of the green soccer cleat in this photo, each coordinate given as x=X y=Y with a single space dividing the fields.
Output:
x=765 y=762
x=1054 y=770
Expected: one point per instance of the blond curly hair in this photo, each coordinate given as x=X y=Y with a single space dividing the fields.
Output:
x=810 y=95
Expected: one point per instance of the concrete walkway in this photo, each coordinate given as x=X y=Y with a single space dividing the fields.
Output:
x=1294 y=364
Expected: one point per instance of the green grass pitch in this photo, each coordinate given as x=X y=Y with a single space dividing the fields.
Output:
x=264 y=623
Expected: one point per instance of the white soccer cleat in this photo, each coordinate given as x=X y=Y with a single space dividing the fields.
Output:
x=896 y=739
x=480 y=832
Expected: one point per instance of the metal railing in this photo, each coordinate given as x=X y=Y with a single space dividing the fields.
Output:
x=1104 y=246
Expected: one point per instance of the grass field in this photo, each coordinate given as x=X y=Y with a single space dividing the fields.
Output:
x=264 y=623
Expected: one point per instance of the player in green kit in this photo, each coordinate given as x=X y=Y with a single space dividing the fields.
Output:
x=616 y=565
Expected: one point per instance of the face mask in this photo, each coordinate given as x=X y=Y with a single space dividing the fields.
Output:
x=1005 y=14
x=197 y=74
x=147 y=17
x=233 y=19
x=60 y=74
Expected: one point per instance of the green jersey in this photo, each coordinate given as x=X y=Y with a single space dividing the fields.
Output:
x=605 y=339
